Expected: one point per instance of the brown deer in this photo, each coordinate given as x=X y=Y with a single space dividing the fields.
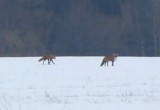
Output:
x=48 y=57
x=111 y=58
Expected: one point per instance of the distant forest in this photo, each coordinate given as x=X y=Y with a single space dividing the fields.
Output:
x=79 y=27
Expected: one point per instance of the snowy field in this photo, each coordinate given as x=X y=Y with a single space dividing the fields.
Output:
x=79 y=83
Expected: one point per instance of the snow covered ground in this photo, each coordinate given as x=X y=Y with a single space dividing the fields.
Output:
x=79 y=83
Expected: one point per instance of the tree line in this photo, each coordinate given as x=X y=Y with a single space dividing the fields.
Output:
x=79 y=27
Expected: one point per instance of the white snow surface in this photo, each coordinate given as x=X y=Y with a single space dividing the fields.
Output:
x=80 y=83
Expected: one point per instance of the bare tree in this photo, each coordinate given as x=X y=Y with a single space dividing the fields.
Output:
x=156 y=25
